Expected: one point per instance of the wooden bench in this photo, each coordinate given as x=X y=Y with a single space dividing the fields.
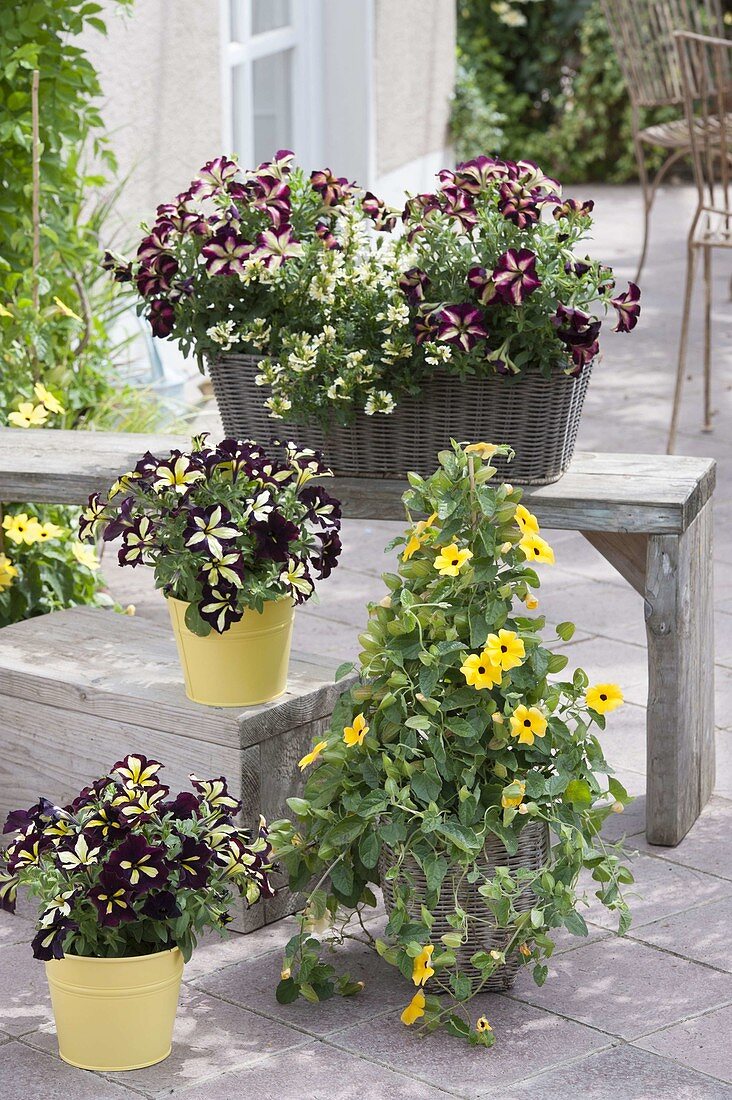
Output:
x=649 y=515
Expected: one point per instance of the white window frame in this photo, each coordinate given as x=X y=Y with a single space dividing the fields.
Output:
x=303 y=38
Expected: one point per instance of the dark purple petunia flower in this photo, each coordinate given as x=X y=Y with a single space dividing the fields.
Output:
x=226 y=252
x=483 y=286
x=459 y=205
x=425 y=327
x=461 y=325
x=119 y=267
x=161 y=316
x=193 y=862
x=383 y=217
x=215 y=792
x=274 y=535
x=577 y=267
x=475 y=175
x=160 y=905
x=272 y=197
x=218 y=607
x=113 y=899
x=122 y=522
x=322 y=508
x=154 y=246
x=138 y=538
x=210 y=529
x=156 y=279
x=628 y=308
x=43 y=812
x=519 y=204
x=228 y=569
x=185 y=805
x=514 y=275
x=573 y=207
x=8 y=891
x=413 y=284
x=332 y=189
x=325 y=561
x=48 y=943
x=578 y=331
x=276 y=245
x=107 y=822
x=324 y=230
x=214 y=177
x=139 y=864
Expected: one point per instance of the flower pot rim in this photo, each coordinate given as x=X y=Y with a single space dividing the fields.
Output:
x=122 y=958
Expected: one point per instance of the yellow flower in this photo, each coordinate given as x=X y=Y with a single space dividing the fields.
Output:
x=47 y=399
x=481 y=1024
x=5 y=312
x=526 y=520
x=285 y=974
x=418 y=536
x=536 y=548
x=85 y=555
x=527 y=723
x=513 y=795
x=451 y=559
x=525 y=950
x=414 y=1009
x=312 y=756
x=355 y=734
x=604 y=697
x=421 y=969
x=483 y=450
x=22 y=528
x=28 y=415
x=48 y=531
x=63 y=308
x=505 y=649
x=480 y=672
x=7 y=572
x=531 y=602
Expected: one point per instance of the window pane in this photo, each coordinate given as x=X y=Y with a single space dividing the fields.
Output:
x=268 y=15
x=272 y=104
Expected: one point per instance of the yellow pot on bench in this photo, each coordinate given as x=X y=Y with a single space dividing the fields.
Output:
x=115 y=1014
x=245 y=665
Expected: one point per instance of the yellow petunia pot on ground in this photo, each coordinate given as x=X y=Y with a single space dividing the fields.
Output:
x=237 y=539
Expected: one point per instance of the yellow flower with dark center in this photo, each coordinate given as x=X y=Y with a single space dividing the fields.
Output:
x=414 y=1009
x=22 y=528
x=7 y=572
x=418 y=536
x=483 y=450
x=603 y=698
x=480 y=672
x=421 y=969
x=48 y=531
x=47 y=399
x=513 y=795
x=526 y=521
x=505 y=649
x=355 y=734
x=28 y=415
x=451 y=559
x=312 y=756
x=527 y=723
x=481 y=1024
x=536 y=548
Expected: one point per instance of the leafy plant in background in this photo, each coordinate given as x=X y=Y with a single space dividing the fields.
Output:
x=56 y=313
x=461 y=729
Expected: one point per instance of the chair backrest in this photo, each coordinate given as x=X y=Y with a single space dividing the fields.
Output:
x=705 y=65
x=643 y=35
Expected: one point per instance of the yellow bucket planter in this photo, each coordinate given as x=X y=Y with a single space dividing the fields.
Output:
x=115 y=1014
x=245 y=665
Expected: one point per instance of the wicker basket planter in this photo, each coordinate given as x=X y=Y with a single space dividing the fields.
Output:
x=537 y=416
x=533 y=853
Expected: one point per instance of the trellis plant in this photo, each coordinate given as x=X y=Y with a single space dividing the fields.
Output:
x=225 y=528
x=126 y=870
x=461 y=728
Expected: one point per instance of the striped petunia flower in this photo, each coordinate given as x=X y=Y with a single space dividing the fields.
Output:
x=461 y=325
x=627 y=307
x=514 y=275
x=276 y=245
x=226 y=252
x=210 y=529
x=218 y=607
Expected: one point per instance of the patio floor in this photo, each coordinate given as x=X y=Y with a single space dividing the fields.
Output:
x=648 y=1016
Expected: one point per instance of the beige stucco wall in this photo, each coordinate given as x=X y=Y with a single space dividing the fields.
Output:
x=414 y=79
x=159 y=70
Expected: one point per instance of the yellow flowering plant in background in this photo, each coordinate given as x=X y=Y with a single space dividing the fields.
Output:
x=462 y=726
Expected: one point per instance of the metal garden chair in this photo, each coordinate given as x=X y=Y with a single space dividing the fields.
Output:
x=642 y=32
x=706 y=72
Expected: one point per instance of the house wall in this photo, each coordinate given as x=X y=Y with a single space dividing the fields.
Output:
x=159 y=68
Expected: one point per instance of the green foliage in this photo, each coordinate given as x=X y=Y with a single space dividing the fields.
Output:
x=456 y=732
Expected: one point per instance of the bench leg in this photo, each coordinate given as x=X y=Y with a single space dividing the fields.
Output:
x=680 y=633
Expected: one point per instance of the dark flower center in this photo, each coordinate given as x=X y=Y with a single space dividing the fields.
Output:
x=603 y=697
x=481 y=669
x=527 y=721
x=504 y=649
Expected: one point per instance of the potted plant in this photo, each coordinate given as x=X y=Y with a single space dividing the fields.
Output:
x=462 y=774
x=312 y=311
x=236 y=539
x=126 y=878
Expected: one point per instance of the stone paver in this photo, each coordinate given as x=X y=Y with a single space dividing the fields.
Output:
x=623 y=1073
x=25 y=1004
x=702 y=1043
x=626 y=988
x=27 y=1074
x=702 y=934
x=706 y=846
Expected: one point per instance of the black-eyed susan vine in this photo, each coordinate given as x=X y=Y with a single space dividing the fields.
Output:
x=460 y=729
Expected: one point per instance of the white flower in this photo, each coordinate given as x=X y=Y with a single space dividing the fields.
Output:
x=223 y=334
x=381 y=402
x=252 y=271
x=435 y=354
x=278 y=406
x=336 y=388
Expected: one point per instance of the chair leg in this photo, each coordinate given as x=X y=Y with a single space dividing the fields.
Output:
x=683 y=340
x=648 y=196
x=707 y=340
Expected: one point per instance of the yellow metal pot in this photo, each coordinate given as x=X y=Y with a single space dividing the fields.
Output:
x=247 y=664
x=115 y=1014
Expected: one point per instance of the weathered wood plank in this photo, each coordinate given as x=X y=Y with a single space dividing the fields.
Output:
x=626 y=553
x=601 y=492
x=680 y=721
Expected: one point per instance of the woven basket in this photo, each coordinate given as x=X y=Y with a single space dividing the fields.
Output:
x=532 y=853
x=537 y=416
